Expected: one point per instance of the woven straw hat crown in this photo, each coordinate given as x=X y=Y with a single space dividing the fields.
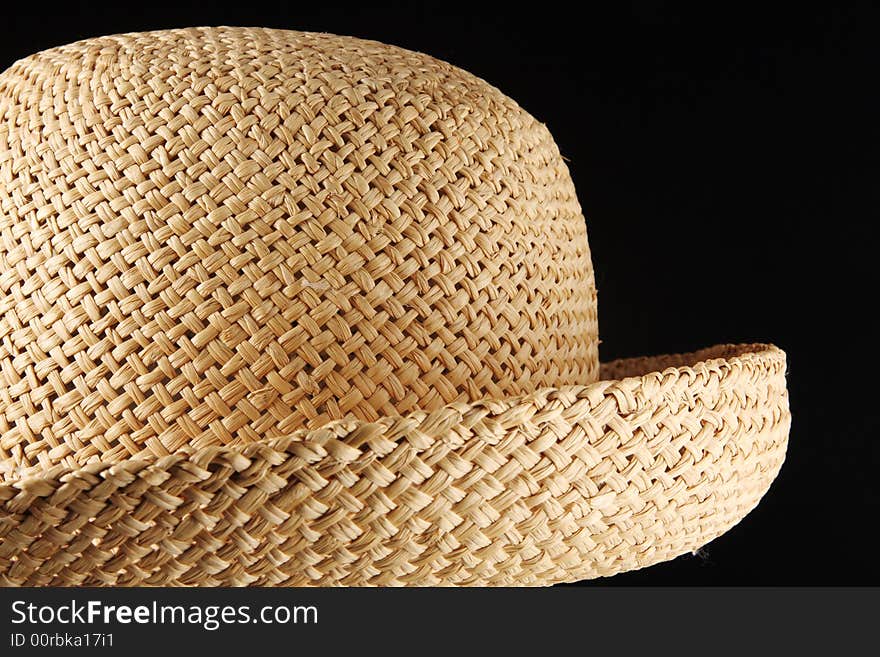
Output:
x=215 y=236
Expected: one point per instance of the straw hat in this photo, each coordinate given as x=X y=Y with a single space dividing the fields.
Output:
x=280 y=308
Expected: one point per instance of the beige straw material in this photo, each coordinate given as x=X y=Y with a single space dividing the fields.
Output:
x=556 y=486
x=218 y=236
x=280 y=308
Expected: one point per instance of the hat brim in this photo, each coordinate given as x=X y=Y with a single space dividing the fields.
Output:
x=655 y=460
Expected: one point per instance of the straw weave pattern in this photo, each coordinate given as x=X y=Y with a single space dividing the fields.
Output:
x=280 y=308
x=555 y=486
x=222 y=235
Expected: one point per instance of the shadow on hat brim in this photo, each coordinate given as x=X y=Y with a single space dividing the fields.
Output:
x=657 y=459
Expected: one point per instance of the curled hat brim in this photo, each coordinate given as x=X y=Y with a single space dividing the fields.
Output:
x=655 y=460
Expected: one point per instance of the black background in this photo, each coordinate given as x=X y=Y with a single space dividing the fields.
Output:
x=727 y=163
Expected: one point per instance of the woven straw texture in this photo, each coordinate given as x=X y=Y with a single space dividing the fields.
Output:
x=218 y=235
x=280 y=308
